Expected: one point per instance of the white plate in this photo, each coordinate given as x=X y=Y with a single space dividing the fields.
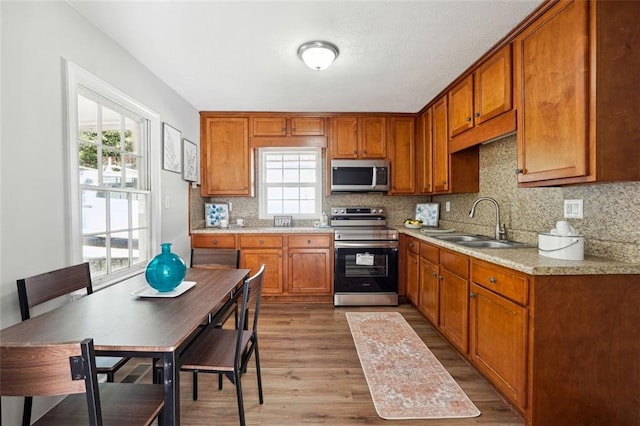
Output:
x=410 y=226
x=148 y=291
x=436 y=231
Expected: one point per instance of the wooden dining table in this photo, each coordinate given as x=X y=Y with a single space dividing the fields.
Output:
x=123 y=324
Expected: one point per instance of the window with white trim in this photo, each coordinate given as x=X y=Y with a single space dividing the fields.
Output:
x=290 y=182
x=114 y=215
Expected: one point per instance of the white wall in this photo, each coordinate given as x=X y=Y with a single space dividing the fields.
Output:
x=35 y=38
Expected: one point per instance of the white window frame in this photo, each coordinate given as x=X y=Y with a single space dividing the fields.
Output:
x=79 y=80
x=262 y=186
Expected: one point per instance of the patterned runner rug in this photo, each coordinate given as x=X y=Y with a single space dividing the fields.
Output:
x=405 y=379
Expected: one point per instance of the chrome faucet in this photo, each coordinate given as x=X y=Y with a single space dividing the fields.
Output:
x=500 y=232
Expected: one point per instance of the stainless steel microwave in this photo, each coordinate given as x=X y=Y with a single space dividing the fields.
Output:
x=359 y=176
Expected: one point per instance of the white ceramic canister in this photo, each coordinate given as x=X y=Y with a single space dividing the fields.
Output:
x=569 y=247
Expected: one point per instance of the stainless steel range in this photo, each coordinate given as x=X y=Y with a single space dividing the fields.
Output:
x=366 y=257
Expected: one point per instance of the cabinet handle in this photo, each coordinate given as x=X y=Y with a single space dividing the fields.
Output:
x=260 y=241
x=477 y=114
x=441 y=277
x=492 y=280
x=308 y=241
x=468 y=119
x=293 y=130
x=214 y=241
x=290 y=255
x=519 y=171
x=355 y=152
x=472 y=294
x=434 y=273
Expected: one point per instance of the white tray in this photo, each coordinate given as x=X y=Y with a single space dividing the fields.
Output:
x=147 y=291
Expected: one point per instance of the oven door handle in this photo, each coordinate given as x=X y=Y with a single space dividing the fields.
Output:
x=366 y=244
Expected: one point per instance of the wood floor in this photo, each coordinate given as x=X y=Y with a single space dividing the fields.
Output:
x=311 y=374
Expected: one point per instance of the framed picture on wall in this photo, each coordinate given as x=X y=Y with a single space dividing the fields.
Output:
x=189 y=161
x=171 y=155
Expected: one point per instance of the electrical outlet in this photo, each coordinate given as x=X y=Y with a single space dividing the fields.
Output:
x=573 y=209
x=230 y=206
x=447 y=206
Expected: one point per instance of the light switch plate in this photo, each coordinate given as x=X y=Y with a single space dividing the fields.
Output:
x=573 y=209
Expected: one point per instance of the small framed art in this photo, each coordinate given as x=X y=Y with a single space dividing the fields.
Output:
x=189 y=161
x=171 y=155
x=215 y=213
x=428 y=213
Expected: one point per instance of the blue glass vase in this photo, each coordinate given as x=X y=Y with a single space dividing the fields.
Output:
x=165 y=271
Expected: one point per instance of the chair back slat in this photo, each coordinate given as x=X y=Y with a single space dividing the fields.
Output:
x=39 y=370
x=41 y=288
x=210 y=258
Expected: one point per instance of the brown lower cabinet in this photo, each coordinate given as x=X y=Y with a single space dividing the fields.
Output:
x=563 y=349
x=298 y=266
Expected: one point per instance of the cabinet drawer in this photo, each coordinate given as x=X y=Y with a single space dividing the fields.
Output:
x=503 y=281
x=454 y=262
x=213 y=240
x=260 y=241
x=413 y=245
x=302 y=241
x=430 y=252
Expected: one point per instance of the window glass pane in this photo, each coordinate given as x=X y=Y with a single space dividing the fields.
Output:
x=111 y=170
x=111 y=128
x=291 y=175
x=274 y=193
x=119 y=251
x=139 y=245
x=119 y=211
x=274 y=207
x=291 y=193
x=87 y=119
x=139 y=210
x=307 y=176
x=307 y=193
x=94 y=252
x=88 y=162
x=290 y=206
x=94 y=212
x=307 y=206
x=131 y=172
x=274 y=176
x=131 y=135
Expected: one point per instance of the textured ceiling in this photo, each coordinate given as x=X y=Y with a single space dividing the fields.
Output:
x=395 y=56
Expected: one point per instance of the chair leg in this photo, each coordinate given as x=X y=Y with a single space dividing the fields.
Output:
x=257 y=355
x=110 y=376
x=219 y=381
x=195 y=385
x=26 y=411
x=236 y=378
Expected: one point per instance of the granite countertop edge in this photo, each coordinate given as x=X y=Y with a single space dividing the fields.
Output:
x=265 y=230
x=528 y=260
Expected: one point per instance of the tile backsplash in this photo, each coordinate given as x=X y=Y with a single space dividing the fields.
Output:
x=611 y=224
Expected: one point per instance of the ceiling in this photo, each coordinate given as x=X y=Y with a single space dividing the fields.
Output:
x=395 y=56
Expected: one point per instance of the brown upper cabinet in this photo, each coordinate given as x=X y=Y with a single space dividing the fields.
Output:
x=424 y=153
x=272 y=126
x=224 y=152
x=576 y=69
x=358 y=137
x=476 y=103
x=402 y=155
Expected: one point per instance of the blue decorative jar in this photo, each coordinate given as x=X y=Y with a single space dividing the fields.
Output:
x=165 y=271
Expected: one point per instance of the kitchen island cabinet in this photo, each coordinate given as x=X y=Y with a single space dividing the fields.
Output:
x=576 y=70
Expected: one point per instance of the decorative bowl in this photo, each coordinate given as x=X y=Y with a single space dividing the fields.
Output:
x=410 y=226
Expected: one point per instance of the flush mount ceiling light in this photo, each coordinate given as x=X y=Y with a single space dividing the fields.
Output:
x=318 y=55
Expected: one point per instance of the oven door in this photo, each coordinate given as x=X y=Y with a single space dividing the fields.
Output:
x=366 y=267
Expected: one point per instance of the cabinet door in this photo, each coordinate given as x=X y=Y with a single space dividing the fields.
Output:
x=344 y=143
x=492 y=87
x=213 y=240
x=268 y=126
x=413 y=277
x=440 y=146
x=225 y=156
x=552 y=78
x=372 y=137
x=461 y=107
x=272 y=258
x=424 y=160
x=309 y=271
x=498 y=342
x=429 y=290
x=402 y=155
x=454 y=309
x=307 y=126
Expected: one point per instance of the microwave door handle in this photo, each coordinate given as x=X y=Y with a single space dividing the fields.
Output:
x=375 y=175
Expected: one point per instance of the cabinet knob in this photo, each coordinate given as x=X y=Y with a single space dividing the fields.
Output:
x=492 y=280
x=477 y=114
x=441 y=277
x=434 y=273
x=519 y=171
x=214 y=241
x=308 y=241
x=472 y=294
x=260 y=241
x=355 y=152
x=365 y=151
x=468 y=119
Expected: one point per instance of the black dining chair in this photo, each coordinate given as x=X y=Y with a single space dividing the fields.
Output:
x=228 y=352
x=49 y=369
x=38 y=289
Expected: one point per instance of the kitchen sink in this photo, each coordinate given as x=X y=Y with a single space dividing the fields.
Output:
x=479 y=241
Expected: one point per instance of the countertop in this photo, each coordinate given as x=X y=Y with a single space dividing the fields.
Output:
x=525 y=260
